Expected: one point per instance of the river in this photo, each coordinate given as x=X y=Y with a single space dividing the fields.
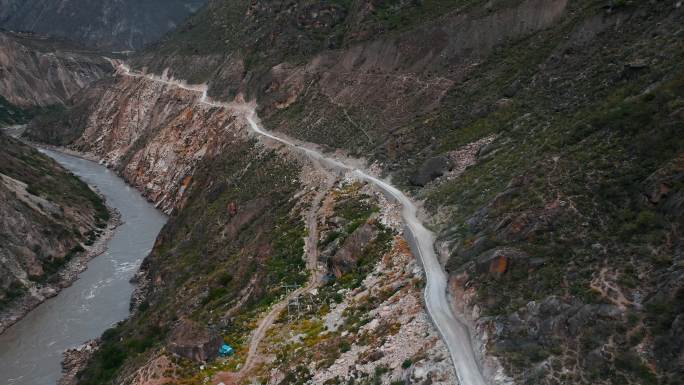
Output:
x=31 y=350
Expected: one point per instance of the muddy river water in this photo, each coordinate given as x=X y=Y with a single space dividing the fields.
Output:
x=31 y=350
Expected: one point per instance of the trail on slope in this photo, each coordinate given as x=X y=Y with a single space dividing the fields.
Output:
x=454 y=333
x=315 y=279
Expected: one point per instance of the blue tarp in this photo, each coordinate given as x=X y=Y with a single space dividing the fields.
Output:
x=226 y=350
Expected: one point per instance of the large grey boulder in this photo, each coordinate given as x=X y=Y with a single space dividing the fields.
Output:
x=347 y=257
x=430 y=170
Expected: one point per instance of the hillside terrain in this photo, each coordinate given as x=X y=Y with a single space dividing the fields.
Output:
x=111 y=24
x=39 y=74
x=49 y=220
x=542 y=137
x=12 y=115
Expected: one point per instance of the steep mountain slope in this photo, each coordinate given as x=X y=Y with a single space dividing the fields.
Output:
x=47 y=220
x=50 y=219
x=111 y=24
x=37 y=71
x=235 y=243
x=543 y=136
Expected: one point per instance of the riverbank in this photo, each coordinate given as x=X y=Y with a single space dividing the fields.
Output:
x=65 y=278
x=31 y=351
x=39 y=293
x=75 y=360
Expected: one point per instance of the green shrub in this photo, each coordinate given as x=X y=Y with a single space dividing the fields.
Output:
x=344 y=346
x=647 y=219
x=225 y=279
x=632 y=364
x=215 y=294
x=299 y=376
x=407 y=363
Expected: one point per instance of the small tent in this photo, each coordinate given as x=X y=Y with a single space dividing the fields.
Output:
x=226 y=350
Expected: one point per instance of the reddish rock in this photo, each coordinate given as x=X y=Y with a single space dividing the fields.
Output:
x=499 y=265
x=232 y=209
x=186 y=182
x=189 y=114
x=498 y=261
x=660 y=192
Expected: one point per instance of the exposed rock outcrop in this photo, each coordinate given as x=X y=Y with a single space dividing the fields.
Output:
x=497 y=261
x=154 y=135
x=74 y=360
x=346 y=258
x=431 y=169
x=194 y=341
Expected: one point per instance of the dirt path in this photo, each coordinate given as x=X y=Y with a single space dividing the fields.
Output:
x=317 y=273
x=605 y=285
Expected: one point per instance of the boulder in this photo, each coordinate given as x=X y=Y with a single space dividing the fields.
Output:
x=498 y=261
x=373 y=356
x=346 y=258
x=637 y=64
x=430 y=170
x=76 y=359
x=537 y=262
x=197 y=342
x=477 y=247
x=232 y=209
x=488 y=149
x=512 y=89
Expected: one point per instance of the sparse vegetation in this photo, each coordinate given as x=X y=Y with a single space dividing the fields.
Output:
x=580 y=192
x=54 y=235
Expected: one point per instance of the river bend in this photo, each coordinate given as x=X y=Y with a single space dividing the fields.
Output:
x=31 y=350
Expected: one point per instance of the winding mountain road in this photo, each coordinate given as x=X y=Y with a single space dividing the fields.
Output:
x=454 y=333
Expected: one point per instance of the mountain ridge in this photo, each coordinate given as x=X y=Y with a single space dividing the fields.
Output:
x=111 y=24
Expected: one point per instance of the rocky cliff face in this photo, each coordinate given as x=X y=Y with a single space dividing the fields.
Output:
x=542 y=136
x=111 y=24
x=48 y=218
x=155 y=135
x=37 y=71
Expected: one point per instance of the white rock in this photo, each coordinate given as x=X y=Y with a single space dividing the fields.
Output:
x=476 y=312
x=419 y=372
x=373 y=324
